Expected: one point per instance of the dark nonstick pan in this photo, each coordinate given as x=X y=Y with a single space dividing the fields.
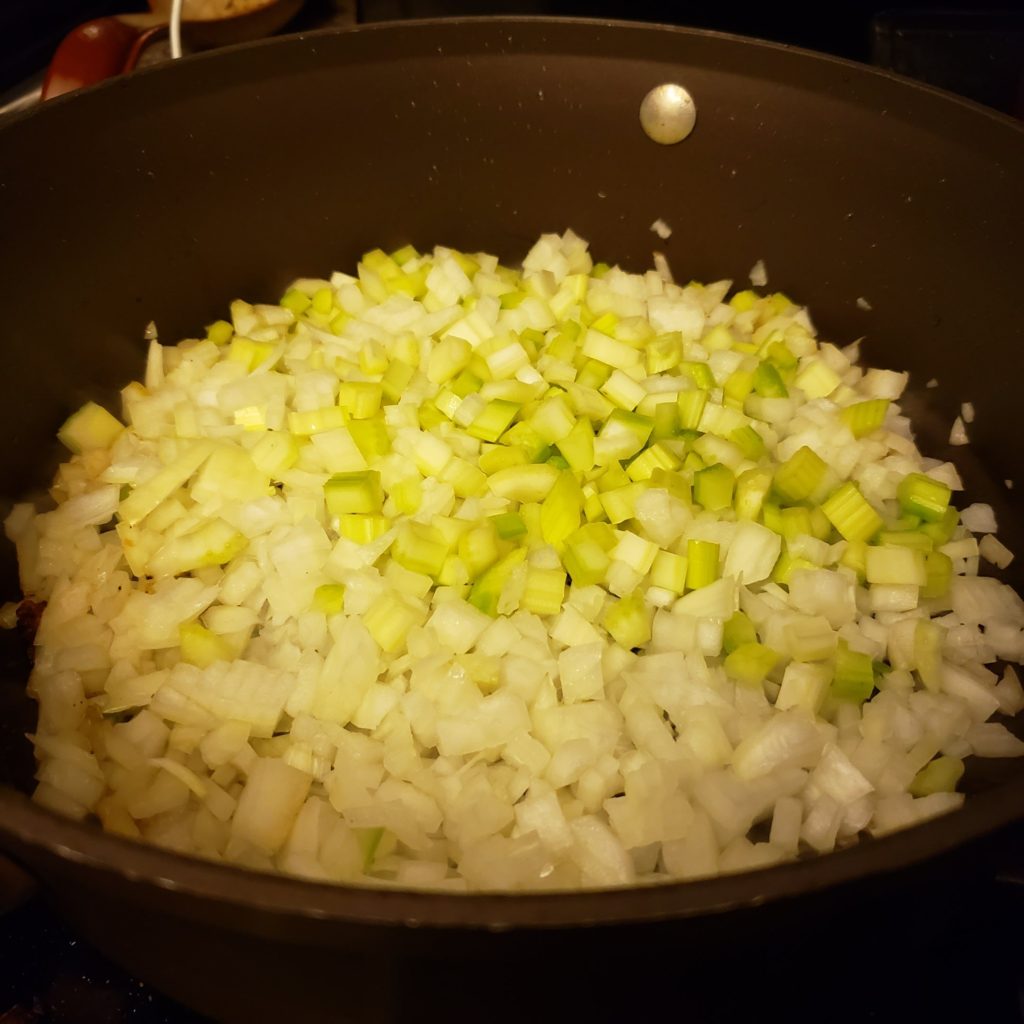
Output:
x=163 y=195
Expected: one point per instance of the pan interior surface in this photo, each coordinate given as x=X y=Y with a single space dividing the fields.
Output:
x=163 y=196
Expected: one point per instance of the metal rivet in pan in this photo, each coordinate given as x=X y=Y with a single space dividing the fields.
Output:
x=668 y=114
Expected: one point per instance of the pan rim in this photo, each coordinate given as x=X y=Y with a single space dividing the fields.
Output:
x=498 y=22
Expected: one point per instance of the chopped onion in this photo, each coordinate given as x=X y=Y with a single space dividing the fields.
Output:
x=445 y=574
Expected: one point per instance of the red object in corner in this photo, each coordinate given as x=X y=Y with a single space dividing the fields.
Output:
x=92 y=52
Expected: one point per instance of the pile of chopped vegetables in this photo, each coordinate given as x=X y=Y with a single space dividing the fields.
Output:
x=455 y=575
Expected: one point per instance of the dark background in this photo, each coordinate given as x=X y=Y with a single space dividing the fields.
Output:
x=976 y=49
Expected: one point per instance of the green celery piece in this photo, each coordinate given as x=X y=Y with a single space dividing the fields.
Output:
x=577 y=447
x=920 y=495
x=907 y=539
x=560 y=511
x=737 y=387
x=938 y=569
x=509 y=525
x=494 y=419
x=486 y=591
x=629 y=621
x=941 y=531
x=863 y=418
x=359 y=492
x=768 y=383
x=749 y=441
x=702 y=563
x=691 y=408
x=854 y=677
x=544 y=591
x=737 y=631
x=851 y=513
x=699 y=373
x=750 y=663
x=713 y=487
x=752 y=486
x=938 y=776
x=800 y=475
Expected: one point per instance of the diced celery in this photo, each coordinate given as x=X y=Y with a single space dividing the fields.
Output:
x=329 y=598
x=359 y=398
x=605 y=349
x=628 y=621
x=371 y=437
x=664 y=352
x=658 y=456
x=938 y=575
x=854 y=677
x=906 y=539
x=666 y=420
x=737 y=387
x=201 y=647
x=851 y=513
x=524 y=483
x=361 y=528
x=768 y=383
x=700 y=373
x=737 y=631
x=928 y=641
x=890 y=565
x=938 y=776
x=478 y=547
x=619 y=504
x=525 y=437
x=323 y=301
x=817 y=379
x=275 y=452
x=509 y=526
x=863 y=418
x=298 y=302
x=249 y=353
x=466 y=479
x=219 y=332
x=941 y=531
x=702 y=563
x=810 y=638
x=577 y=447
x=91 y=428
x=486 y=591
x=593 y=374
x=920 y=495
x=420 y=548
x=626 y=432
x=668 y=571
x=354 y=492
x=396 y=379
x=691 y=408
x=390 y=617
x=553 y=419
x=676 y=483
x=750 y=663
x=782 y=355
x=316 y=421
x=561 y=509
x=800 y=476
x=494 y=419
x=544 y=591
x=749 y=441
x=407 y=494
x=713 y=487
x=752 y=487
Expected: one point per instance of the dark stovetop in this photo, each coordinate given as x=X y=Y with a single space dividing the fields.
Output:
x=971 y=974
